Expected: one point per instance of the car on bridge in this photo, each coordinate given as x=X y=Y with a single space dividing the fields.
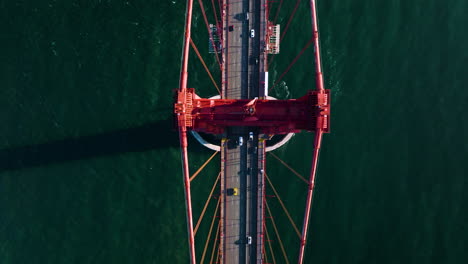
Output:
x=253 y=150
x=232 y=192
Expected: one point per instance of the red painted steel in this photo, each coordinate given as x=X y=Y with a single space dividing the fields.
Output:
x=310 y=112
x=313 y=172
x=318 y=133
x=181 y=118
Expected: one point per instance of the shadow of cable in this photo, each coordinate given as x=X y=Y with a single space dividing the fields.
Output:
x=147 y=137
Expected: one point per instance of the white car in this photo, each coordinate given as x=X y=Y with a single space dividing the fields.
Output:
x=249 y=240
x=252 y=33
x=241 y=141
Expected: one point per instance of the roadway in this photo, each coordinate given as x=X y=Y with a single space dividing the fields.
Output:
x=242 y=214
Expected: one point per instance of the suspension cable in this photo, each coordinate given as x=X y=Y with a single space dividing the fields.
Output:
x=214 y=11
x=204 y=65
x=210 y=33
x=283 y=206
x=209 y=233
x=203 y=166
x=269 y=244
x=289 y=21
x=291 y=169
x=265 y=254
x=214 y=244
x=206 y=205
x=293 y=62
x=277 y=233
x=217 y=255
x=277 y=12
x=287 y=25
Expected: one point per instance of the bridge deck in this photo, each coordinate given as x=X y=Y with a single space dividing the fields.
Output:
x=242 y=166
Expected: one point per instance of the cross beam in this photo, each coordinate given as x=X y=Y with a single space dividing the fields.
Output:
x=309 y=112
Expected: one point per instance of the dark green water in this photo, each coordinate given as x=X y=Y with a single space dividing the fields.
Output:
x=90 y=169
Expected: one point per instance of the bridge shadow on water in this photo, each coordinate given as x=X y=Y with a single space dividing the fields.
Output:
x=156 y=135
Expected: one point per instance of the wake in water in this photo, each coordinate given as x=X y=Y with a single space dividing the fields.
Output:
x=333 y=75
x=281 y=91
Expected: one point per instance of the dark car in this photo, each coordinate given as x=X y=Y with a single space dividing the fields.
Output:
x=253 y=150
x=232 y=192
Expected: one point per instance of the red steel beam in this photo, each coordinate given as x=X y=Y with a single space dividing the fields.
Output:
x=309 y=112
x=181 y=116
x=318 y=133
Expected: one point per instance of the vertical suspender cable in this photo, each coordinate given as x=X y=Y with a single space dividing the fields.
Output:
x=290 y=19
x=269 y=245
x=277 y=12
x=214 y=11
x=210 y=34
x=206 y=204
x=209 y=233
x=277 y=234
x=283 y=206
x=203 y=166
x=292 y=63
x=204 y=65
x=287 y=24
x=289 y=167
x=215 y=244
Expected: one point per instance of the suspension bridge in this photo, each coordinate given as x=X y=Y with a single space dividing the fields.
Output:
x=243 y=40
